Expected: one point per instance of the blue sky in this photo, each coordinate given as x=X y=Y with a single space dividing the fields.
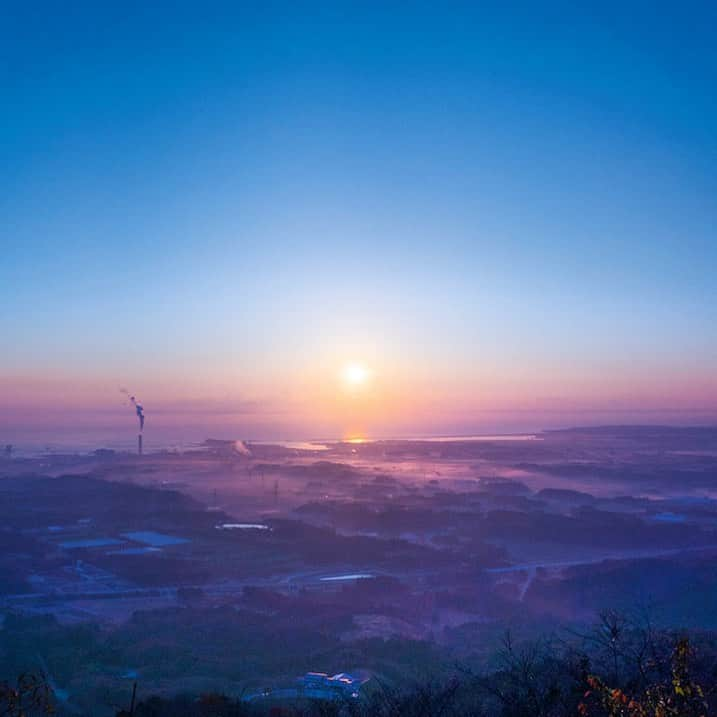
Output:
x=220 y=202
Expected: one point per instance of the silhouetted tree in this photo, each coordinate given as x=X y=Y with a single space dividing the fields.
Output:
x=30 y=695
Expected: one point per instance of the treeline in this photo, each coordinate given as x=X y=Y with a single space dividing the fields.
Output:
x=621 y=667
x=626 y=672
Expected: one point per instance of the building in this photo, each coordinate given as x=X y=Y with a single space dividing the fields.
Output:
x=342 y=684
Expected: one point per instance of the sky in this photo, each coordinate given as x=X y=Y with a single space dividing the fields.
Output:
x=503 y=214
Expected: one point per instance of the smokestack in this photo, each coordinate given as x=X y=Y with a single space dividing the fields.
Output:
x=139 y=410
x=138 y=407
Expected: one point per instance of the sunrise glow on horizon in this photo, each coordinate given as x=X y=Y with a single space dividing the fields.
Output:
x=281 y=225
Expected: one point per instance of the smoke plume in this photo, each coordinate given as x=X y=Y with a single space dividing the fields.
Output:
x=138 y=407
x=241 y=448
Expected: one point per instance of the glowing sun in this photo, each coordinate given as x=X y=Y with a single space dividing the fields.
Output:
x=354 y=374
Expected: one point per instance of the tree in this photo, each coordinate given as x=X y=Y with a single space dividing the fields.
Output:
x=681 y=696
x=30 y=695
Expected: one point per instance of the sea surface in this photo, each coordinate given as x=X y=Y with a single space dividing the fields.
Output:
x=34 y=448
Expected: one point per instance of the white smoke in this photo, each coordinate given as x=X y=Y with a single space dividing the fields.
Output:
x=241 y=448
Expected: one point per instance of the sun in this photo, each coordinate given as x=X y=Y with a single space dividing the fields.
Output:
x=354 y=374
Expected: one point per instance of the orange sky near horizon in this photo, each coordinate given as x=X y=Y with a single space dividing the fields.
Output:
x=390 y=399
